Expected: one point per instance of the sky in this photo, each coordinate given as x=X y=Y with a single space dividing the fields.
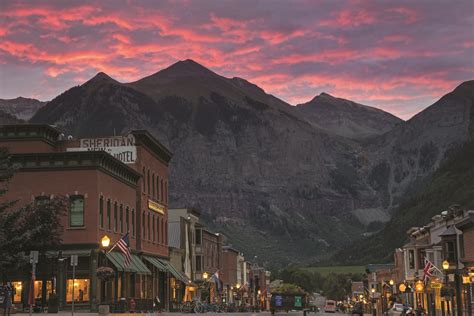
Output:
x=399 y=56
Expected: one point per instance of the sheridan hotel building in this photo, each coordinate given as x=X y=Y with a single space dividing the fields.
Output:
x=114 y=185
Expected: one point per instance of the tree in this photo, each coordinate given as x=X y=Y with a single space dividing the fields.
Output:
x=35 y=226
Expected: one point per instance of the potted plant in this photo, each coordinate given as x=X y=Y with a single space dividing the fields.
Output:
x=105 y=274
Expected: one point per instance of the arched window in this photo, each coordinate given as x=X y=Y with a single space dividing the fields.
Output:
x=101 y=212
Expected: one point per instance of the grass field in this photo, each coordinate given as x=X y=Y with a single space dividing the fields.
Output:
x=337 y=269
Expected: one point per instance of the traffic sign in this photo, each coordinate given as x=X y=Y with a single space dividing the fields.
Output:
x=73 y=260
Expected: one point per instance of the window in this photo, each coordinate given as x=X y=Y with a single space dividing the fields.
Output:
x=144 y=225
x=461 y=246
x=158 y=236
x=198 y=263
x=76 y=211
x=127 y=220
x=133 y=222
x=81 y=290
x=157 y=187
x=41 y=200
x=162 y=230
x=450 y=251
x=121 y=218
x=411 y=259
x=162 y=191
x=101 y=212
x=143 y=179
x=166 y=192
x=154 y=229
x=115 y=217
x=166 y=233
x=148 y=182
x=109 y=226
x=198 y=236
x=153 y=192
x=148 y=227
x=421 y=258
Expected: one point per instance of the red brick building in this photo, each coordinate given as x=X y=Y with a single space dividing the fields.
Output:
x=115 y=185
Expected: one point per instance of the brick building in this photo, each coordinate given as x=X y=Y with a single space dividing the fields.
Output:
x=115 y=185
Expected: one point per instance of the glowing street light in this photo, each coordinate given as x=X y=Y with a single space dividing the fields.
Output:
x=205 y=275
x=445 y=265
x=105 y=241
x=391 y=282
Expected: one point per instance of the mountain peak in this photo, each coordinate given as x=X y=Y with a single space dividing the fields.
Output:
x=100 y=78
x=188 y=67
x=465 y=89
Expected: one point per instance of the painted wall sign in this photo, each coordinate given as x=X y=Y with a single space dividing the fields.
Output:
x=121 y=147
x=126 y=154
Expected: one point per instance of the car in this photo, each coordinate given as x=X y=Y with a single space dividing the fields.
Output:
x=330 y=306
x=397 y=307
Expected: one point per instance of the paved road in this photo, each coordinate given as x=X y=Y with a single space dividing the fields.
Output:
x=257 y=314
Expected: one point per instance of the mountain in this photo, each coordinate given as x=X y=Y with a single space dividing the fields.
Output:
x=347 y=118
x=275 y=182
x=21 y=108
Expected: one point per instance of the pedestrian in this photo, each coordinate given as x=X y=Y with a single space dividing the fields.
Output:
x=8 y=302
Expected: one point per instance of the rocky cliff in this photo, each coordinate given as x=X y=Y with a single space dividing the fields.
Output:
x=20 y=108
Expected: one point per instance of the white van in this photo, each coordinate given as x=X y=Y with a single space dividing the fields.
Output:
x=330 y=306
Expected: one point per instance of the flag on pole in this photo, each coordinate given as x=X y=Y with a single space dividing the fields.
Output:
x=428 y=271
x=124 y=245
x=215 y=278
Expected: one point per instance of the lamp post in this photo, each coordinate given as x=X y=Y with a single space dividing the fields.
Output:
x=104 y=245
x=374 y=308
x=446 y=290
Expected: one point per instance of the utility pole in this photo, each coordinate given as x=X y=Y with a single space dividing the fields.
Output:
x=73 y=264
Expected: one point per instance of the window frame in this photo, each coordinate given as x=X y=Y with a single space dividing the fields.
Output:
x=73 y=198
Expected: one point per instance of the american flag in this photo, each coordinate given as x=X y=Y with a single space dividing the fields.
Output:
x=124 y=245
x=428 y=271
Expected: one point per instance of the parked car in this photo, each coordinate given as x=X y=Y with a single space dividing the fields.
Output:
x=330 y=306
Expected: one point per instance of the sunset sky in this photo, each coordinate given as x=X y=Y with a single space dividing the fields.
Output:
x=400 y=56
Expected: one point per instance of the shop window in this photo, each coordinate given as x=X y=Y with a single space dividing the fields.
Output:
x=115 y=217
x=109 y=227
x=76 y=211
x=127 y=219
x=101 y=212
x=198 y=263
x=38 y=290
x=121 y=218
x=133 y=222
x=81 y=290
x=17 y=288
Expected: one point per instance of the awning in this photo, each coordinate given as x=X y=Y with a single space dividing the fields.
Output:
x=155 y=262
x=136 y=265
x=177 y=275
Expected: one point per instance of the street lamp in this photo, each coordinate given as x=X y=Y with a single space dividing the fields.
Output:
x=105 y=242
x=205 y=275
x=237 y=286
x=374 y=308
x=445 y=265
x=391 y=282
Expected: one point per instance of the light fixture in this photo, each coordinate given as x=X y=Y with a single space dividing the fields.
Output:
x=205 y=275
x=391 y=282
x=402 y=287
x=361 y=296
x=445 y=265
x=237 y=286
x=419 y=286
x=105 y=241
x=372 y=290
x=259 y=292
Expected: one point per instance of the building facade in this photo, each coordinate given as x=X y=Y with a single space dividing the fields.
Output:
x=114 y=186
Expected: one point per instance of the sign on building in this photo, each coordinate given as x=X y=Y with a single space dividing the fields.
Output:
x=121 y=147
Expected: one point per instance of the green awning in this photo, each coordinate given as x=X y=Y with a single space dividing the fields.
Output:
x=136 y=265
x=177 y=275
x=155 y=262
